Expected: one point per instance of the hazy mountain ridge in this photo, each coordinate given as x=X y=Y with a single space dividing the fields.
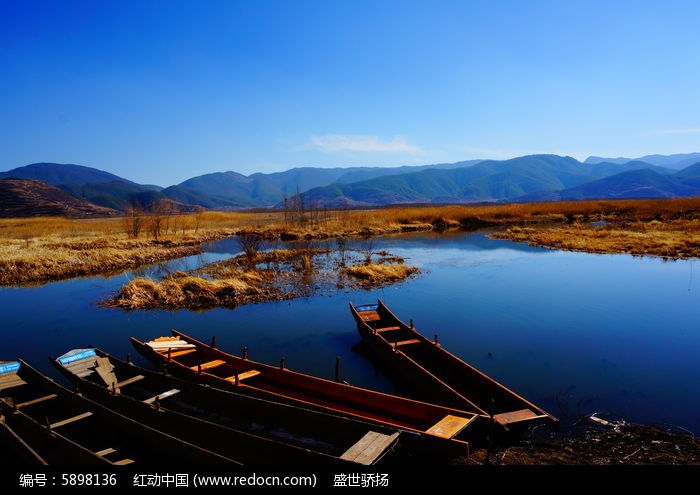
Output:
x=676 y=161
x=234 y=190
x=540 y=177
x=222 y=190
x=639 y=183
x=525 y=178
x=64 y=173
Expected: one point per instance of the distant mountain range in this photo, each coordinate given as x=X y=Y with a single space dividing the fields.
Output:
x=220 y=190
x=525 y=178
x=677 y=162
x=633 y=184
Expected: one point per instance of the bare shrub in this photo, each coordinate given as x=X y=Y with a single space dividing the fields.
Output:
x=250 y=244
x=134 y=221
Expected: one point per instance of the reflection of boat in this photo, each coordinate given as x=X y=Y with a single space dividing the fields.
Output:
x=447 y=430
x=253 y=431
x=436 y=374
x=65 y=428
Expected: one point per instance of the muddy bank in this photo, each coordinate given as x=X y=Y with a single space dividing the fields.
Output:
x=596 y=441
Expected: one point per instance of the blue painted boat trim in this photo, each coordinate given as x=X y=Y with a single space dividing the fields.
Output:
x=10 y=367
x=77 y=356
x=366 y=307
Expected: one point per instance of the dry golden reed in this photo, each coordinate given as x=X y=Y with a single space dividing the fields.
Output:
x=183 y=291
x=378 y=274
x=37 y=250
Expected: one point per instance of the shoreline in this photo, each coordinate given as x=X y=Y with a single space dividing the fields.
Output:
x=42 y=250
x=555 y=237
x=594 y=441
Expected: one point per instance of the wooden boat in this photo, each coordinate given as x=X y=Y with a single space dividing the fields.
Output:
x=436 y=374
x=65 y=428
x=251 y=430
x=189 y=358
x=15 y=451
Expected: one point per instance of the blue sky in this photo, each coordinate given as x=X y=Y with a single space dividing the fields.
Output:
x=160 y=91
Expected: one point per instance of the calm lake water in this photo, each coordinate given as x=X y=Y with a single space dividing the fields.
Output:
x=575 y=333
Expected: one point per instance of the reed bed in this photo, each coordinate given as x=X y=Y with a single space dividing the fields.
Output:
x=278 y=274
x=184 y=291
x=377 y=274
x=679 y=239
x=38 y=250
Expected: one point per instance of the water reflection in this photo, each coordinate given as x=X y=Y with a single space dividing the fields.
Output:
x=576 y=333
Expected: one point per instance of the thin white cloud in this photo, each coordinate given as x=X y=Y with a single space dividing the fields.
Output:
x=675 y=131
x=331 y=143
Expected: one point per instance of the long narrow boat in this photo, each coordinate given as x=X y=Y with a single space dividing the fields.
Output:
x=253 y=431
x=15 y=450
x=438 y=375
x=191 y=359
x=65 y=428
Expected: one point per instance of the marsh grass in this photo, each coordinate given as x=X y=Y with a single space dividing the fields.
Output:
x=38 y=250
x=675 y=239
x=184 y=291
x=376 y=274
x=278 y=274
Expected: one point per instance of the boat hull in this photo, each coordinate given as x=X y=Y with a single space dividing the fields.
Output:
x=437 y=375
x=66 y=428
x=217 y=368
x=251 y=430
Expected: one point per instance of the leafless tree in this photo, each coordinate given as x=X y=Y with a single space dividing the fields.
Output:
x=341 y=244
x=134 y=221
x=368 y=245
x=159 y=218
x=250 y=244
x=198 y=214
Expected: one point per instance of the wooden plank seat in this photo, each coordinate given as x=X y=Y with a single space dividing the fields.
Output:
x=386 y=329
x=162 y=396
x=208 y=365
x=129 y=381
x=81 y=367
x=105 y=452
x=516 y=416
x=370 y=447
x=11 y=381
x=449 y=426
x=242 y=376
x=178 y=353
x=406 y=342
x=161 y=346
x=369 y=315
x=70 y=420
x=106 y=371
x=35 y=401
x=110 y=450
